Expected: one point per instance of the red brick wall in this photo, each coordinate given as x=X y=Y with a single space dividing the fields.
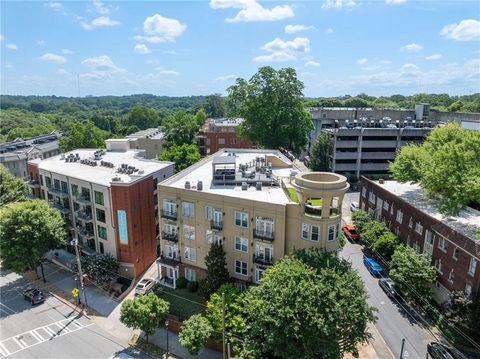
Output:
x=138 y=202
x=33 y=174
x=214 y=146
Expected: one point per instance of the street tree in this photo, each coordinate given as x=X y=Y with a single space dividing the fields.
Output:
x=142 y=117
x=200 y=116
x=361 y=219
x=184 y=155
x=100 y=268
x=27 y=231
x=272 y=104
x=12 y=188
x=179 y=129
x=82 y=134
x=217 y=272
x=412 y=272
x=374 y=231
x=194 y=333
x=321 y=152
x=385 y=245
x=145 y=312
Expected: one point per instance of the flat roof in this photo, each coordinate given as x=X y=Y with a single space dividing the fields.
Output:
x=101 y=174
x=153 y=133
x=466 y=222
x=203 y=171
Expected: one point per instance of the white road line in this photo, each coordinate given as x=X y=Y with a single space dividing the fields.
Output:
x=49 y=331
x=4 y=351
x=18 y=343
x=37 y=336
x=8 y=309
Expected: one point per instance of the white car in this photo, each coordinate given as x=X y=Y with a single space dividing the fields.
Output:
x=354 y=206
x=144 y=286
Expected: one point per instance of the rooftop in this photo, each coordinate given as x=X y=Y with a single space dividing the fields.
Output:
x=153 y=133
x=225 y=121
x=466 y=222
x=221 y=173
x=20 y=145
x=106 y=168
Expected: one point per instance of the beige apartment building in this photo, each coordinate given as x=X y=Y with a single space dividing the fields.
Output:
x=256 y=203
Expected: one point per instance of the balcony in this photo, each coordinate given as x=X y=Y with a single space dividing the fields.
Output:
x=169 y=215
x=58 y=192
x=82 y=199
x=317 y=211
x=85 y=233
x=84 y=216
x=172 y=262
x=262 y=259
x=62 y=208
x=216 y=225
x=172 y=237
x=33 y=183
x=264 y=235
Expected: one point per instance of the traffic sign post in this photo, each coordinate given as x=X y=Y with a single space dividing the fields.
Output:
x=75 y=294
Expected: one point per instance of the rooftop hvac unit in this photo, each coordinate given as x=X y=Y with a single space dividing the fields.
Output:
x=244 y=186
x=187 y=185
x=116 y=179
x=199 y=185
x=258 y=186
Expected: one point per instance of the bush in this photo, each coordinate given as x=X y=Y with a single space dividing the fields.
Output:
x=192 y=286
x=182 y=282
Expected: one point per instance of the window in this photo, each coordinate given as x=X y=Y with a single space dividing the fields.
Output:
x=428 y=246
x=264 y=226
x=56 y=184
x=456 y=253
x=213 y=214
x=305 y=231
x=242 y=287
x=190 y=254
x=100 y=215
x=102 y=232
x=214 y=237
x=258 y=274
x=472 y=267
x=391 y=209
x=169 y=228
x=416 y=247
x=98 y=198
x=439 y=266
x=241 y=268
x=468 y=290
x=155 y=180
x=364 y=191
x=41 y=180
x=233 y=141
x=74 y=190
x=190 y=274
x=333 y=232
x=314 y=234
x=208 y=213
x=64 y=187
x=442 y=244
x=399 y=216
x=379 y=203
x=371 y=197
x=385 y=205
x=241 y=244
x=188 y=209
x=264 y=251
x=169 y=206
x=451 y=277
x=102 y=250
x=410 y=222
x=171 y=252
x=418 y=228
x=221 y=141
x=188 y=232
x=48 y=182
x=241 y=219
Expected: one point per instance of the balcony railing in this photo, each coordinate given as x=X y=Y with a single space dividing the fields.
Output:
x=265 y=235
x=33 y=183
x=172 y=237
x=62 y=208
x=83 y=199
x=84 y=216
x=172 y=262
x=58 y=192
x=169 y=214
x=317 y=211
x=85 y=233
x=216 y=225
x=262 y=259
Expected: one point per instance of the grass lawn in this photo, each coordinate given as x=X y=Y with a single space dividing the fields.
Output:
x=315 y=201
x=183 y=303
x=293 y=194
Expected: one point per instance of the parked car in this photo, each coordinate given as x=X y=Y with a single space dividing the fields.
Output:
x=350 y=232
x=373 y=266
x=388 y=286
x=144 y=286
x=354 y=206
x=439 y=351
x=33 y=295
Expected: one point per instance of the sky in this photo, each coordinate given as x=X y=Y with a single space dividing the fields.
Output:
x=182 y=48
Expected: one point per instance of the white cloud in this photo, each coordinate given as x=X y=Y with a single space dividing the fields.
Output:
x=100 y=67
x=281 y=50
x=54 y=5
x=291 y=29
x=465 y=30
x=395 y=1
x=153 y=62
x=371 y=68
x=141 y=49
x=413 y=47
x=100 y=7
x=339 y=4
x=102 y=21
x=434 y=57
x=329 y=30
x=362 y=61
x=56 y=59
x=40 y=42
x=225 y=78
x=168 y=73
x=161 y=74
x=67 y=52
x=161 y=29
x=312 y=63
x=251 y=10
x=11 y=46
x=170 y=52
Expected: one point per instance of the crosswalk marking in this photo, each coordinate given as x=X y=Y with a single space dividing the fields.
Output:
x=3 y=350
x=19 y=343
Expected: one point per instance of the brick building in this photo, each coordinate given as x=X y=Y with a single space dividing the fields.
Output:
x=450 y=242
x=218 y=133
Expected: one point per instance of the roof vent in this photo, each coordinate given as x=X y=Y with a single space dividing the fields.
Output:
x=199 y=185
x=381 y=181
x=187 y=185
x=244 y=186
x=116 y=179
x=258 y=186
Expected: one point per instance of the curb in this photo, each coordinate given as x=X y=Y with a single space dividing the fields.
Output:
x=379 y=344
x=74 y=307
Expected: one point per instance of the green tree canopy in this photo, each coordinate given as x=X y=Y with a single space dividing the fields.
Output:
x=142 y=117
x=215 y=106
x=179 y=129
x=272 y=104
x=145 y=312
x=27 y=231
x=321 y=152
x=412 y=272
x=373 y=231
x=200 y=116
x=385 y=245
x=82 y=134
x=217 y=272
x=100 y=268
x=12 y=188
x=194 y=333
x=183 y=156
x=361 y=219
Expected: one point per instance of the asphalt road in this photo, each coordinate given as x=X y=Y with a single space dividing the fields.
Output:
x=48 y=330
x=395 y=319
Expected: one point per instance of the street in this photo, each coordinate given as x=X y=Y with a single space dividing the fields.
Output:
x=48 y=330
x=395 y=319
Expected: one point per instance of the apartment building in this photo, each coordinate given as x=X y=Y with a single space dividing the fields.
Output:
x=15 y=154
x=256 y=203
x=108 y=199
x=218 y=133
x=151 y=140
x=450 y=242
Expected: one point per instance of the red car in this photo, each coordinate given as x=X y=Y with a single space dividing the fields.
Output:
x=350 y=232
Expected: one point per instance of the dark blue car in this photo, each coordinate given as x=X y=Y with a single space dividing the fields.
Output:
x=373 y=266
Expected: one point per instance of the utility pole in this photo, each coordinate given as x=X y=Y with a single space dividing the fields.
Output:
x=223 y=324
x=401 y=351
x=79 y=267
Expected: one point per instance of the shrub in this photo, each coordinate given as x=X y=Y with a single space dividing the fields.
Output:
x=182 y=282
x=192 y=286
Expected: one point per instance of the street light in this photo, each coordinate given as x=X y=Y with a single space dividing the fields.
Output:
x=168 y=352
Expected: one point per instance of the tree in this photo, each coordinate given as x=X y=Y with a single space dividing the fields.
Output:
x=12 y=188
x=361 y=219
x=272 y=104
x=374 y=231
x=82 y=134
x=408 y=166
x=100 y=268
x=179 y=129
x=184 y=156
x=412 y=272
x=217 y=272
x=194 y=333
x=200 y=116
x=215 y=106
x=356 y=102
x=142 y=117
x=321 y=153
x=27 y=231
x=461 y=311
x=299 y=311
x=145 y=312
x=385 y=245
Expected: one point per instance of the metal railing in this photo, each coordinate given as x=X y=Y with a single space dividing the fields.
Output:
x=168 y=214
x=172 y=237
x=262 y=259
x=265 y=235
x=216 y=224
